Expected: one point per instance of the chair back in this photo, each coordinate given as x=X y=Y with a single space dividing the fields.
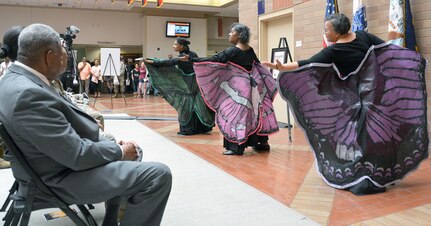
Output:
x=18 y=155
x=47 y=195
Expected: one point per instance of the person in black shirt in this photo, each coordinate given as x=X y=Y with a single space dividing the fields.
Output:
x=244 y=56
x=347 y=52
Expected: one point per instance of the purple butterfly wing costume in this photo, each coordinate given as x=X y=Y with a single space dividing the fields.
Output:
x=241 y=99
x=370 y=124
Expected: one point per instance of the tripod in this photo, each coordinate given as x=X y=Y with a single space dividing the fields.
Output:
x=283 y=44
x=110 y=64
x=69 y=76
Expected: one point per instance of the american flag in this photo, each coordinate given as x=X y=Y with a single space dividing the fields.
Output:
x=359 y=16
x=331 y=8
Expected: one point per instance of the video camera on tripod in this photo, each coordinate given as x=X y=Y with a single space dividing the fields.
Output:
x=68 y=76
x=69 y=35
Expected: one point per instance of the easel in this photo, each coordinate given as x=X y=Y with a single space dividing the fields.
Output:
x=283 y=44
x=109 y=63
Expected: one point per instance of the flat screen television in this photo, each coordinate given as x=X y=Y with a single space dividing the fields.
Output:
x=178 y=29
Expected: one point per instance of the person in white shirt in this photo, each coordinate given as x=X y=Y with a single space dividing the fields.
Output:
x=96 y=79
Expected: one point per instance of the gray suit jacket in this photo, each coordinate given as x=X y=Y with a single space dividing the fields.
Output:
x=58 y=139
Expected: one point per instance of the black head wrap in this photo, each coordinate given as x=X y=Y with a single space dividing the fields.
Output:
x=5 y=48
x=183 y=41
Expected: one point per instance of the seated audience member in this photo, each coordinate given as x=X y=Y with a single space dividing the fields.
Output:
x=8 y=51
x=63 y=145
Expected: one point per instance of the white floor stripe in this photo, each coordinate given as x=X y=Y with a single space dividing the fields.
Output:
x=203 y=194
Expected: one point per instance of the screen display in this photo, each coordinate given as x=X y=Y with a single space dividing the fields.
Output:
x=178 y=29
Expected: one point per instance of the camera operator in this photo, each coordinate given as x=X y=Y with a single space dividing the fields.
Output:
x=70 y=74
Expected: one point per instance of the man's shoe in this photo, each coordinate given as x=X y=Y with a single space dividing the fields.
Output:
x=4 y=164
x=230 y=152
x=262 y=147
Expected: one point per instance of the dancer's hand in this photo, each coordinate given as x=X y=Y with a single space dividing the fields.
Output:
x=184 y=58
x=268 y=64
x=148 y=61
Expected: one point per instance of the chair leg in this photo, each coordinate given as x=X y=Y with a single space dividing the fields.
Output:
x=74 y=217
x=9 y=216
x=16 y=218
x=87 y=215
x=11 y=192
x=27 y=208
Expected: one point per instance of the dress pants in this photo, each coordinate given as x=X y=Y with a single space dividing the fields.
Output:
x=144 y=185
x=148 y=196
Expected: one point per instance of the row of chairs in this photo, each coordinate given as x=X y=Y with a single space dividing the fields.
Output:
x=37 y=196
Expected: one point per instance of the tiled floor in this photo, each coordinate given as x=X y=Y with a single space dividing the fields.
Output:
x=288 y=173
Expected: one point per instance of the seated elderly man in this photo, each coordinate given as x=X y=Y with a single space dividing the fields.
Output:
x=62 y=143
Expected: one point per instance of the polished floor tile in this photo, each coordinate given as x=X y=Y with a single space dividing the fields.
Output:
x=288 y=172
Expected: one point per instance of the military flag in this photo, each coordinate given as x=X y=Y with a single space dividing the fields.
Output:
x=359 y=16
x=401 y=29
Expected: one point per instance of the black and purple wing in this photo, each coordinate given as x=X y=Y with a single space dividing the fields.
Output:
x=369 y=124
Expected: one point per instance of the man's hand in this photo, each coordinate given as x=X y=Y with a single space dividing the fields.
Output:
x=129 y=150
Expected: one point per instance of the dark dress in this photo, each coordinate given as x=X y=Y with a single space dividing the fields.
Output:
x=245 y=59
x=194 y=124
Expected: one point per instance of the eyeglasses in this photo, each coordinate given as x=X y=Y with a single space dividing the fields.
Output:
x=326 y=30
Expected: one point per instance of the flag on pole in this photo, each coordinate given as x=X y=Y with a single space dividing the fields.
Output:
x=401 y=29
x=143 y=3
x=220 y=26
x=129 y=2
x=331 y=8
x=159 y=3
x=260 y=7
x=359 y=16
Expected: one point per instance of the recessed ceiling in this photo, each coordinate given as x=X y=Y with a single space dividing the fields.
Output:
x=226 y=8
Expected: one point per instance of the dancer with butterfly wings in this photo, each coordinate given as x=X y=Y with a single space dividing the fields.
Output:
x=362 y=105
x=240 y=90
x=178 y=86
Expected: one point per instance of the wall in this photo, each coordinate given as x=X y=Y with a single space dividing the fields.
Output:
x=108 y=29
x=248 y=16
x=158 y=45
x=218 y=43
x=117 y=28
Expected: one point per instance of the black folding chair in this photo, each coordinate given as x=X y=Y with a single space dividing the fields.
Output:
x=38 y=195
x=12 y=191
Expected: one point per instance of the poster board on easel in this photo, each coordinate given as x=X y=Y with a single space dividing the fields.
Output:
x=282 y=54
x=110 y=61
